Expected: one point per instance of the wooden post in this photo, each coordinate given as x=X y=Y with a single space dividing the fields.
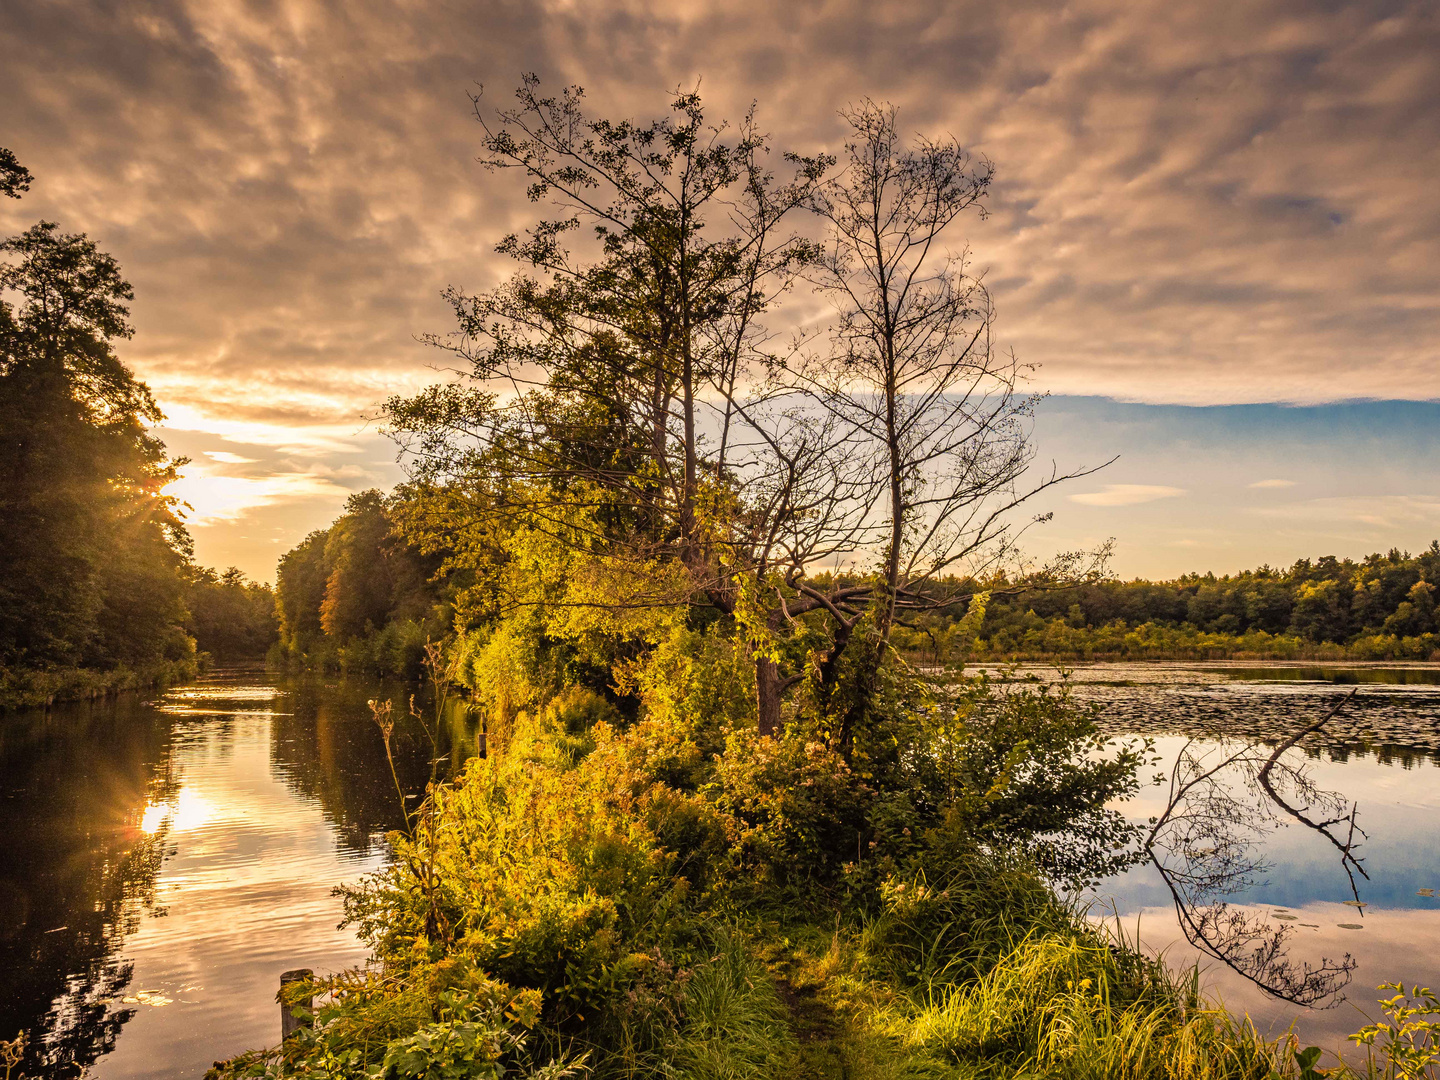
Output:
x=290 y=1023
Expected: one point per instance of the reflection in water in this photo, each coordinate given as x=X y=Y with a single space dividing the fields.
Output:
x=181 y=854
x=1271 y=868
x=161 y=863
x=1205 y=845
x=76 y=872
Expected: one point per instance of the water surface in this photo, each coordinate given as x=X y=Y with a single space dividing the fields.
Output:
x=1381 y=753
x=162 y=862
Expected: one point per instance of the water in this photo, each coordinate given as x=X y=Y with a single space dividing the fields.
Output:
x=1381 y=753
x=161 y=863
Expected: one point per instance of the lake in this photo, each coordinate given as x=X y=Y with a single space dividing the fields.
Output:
x=162 y=862
x=1379 y=753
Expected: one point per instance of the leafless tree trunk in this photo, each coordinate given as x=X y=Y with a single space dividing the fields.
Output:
x=913 y=372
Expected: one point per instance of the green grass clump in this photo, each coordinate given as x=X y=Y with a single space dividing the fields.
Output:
x=1072 y=1007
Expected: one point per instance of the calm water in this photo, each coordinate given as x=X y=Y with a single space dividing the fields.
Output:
x=161 y=863
x=1380 y=753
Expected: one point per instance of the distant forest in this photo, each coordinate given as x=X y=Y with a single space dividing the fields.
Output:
x=1380 y=608
x=365 y=595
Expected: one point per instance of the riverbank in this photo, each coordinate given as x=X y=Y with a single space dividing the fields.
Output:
x=39 y=689
x=679 y=897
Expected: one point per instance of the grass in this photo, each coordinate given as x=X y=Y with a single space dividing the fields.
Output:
x=23 y=688
x=736 y=1024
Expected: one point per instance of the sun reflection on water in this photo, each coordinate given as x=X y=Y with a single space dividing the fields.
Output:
x=186 y=810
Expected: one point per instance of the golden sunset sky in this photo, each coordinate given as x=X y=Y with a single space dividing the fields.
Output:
x=1198 y=205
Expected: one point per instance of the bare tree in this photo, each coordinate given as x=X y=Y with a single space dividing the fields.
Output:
x=911 y=370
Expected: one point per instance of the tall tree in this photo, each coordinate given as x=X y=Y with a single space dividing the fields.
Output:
x=603 y=378
x=89 y=543
x=624 y=397
x=910 y=371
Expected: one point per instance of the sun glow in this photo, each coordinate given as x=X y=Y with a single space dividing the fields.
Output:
x=213 y=498
x=186 y=810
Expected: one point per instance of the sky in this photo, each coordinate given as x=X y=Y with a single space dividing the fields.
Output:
x=1212 y=224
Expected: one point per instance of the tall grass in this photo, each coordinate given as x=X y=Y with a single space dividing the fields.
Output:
x=735 y=1023
x=1079 y=1007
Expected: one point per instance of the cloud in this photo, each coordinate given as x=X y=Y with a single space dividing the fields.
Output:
x=1195 y=203
x=225 y=457
x=1383 y=514
x=1192 y=205
x=214 y=499
x=1272 y=484
x=1126 y=494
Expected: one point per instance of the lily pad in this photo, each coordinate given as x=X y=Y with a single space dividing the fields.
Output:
x=1284 y=918
x=1311 y=925
x=1354 y=903
x=1426 y=892
x=1350 y=926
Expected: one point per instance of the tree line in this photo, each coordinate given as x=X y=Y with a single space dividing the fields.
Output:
x=1379 y=607
x=96 y=566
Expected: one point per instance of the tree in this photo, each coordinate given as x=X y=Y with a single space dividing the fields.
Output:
x=14 y=177
x=603 y=398
x=910 y=374
x=89 y=543
x=627 y=401
x=231 y=618
x=299 y=591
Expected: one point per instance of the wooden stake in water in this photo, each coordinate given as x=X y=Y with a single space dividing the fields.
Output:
x=290 y=1023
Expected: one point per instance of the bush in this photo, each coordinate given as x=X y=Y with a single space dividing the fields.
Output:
x=604 y=888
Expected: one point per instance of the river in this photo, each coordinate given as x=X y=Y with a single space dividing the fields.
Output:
x=161 y=862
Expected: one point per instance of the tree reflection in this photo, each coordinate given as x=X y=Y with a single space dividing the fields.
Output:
x=76 y=872
x=1223 y=799
x=329 y=750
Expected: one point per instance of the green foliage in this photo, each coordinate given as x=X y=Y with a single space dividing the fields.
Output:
x=92 y=553
x=14 y=177
x=28 y=688
x=231 y=618
x=356 y=597
x=799 y=813
x=1406 y=1045
x=1380 y=608
x=1071 y=1004
x=460 y=1024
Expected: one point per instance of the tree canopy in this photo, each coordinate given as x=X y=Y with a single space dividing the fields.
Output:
x=95 y=562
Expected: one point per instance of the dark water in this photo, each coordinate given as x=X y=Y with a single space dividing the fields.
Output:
x=162 y=862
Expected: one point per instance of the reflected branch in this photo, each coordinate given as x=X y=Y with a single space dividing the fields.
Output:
x=1348 y=859
x=1204 y=846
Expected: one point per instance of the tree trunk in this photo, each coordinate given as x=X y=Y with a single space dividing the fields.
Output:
x=767 y=696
